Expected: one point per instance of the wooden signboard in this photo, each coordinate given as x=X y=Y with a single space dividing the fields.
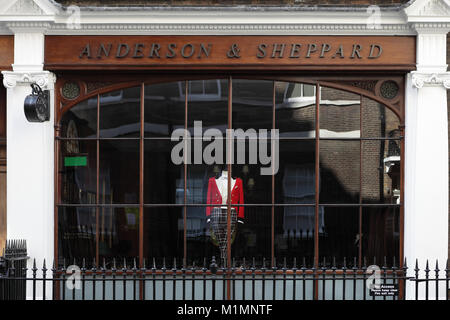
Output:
x=230 y=52
x=6 y=52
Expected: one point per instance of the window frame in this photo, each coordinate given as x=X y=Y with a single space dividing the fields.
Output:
x=341 y=83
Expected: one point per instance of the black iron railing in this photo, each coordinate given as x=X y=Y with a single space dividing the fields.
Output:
x=13 y=264
x=244 y=280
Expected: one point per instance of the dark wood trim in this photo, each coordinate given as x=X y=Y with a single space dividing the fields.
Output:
x=278 y=52
x=361 y=144
x=3 y=166
x=141 y=191
x=317 y=188
x=247 y=67
x=272 y=235
x=6 y=52
x=185 y=166
x=229 y=160
x=118 y=81
x=97 y=209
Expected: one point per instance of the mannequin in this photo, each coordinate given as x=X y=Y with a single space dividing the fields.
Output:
x=218 y=194
x=217 y=214
x=222 y=185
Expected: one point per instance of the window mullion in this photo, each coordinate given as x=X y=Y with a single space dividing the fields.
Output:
x=97 y=208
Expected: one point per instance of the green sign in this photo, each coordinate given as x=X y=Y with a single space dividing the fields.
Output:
x=75 y=161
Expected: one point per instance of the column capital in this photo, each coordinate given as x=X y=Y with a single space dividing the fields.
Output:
x=45 y=79
x=423 y=79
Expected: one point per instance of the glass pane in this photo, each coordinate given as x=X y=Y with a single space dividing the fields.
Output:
x=163 y=234
x=80 y=121
x=206 y=161
x=339 y=171
x=294 y=234
x=76 y=234
x=163 y=179
x=164 y=108
x=207 y=105
x=252 y=104
x=381 y=234
x=119 y=234
x=295 y=180
x=340 y=235
x=381 y=171
x=257 y=187
x=198 y=236
x=295 y=109
x=253 y=237
x=378 y=121
x=119 y=171
x=253 y=170
x=78 y=171
x=339 y=114
x=120 y=113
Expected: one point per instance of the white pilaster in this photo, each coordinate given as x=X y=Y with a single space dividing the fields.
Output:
x=426 y=161
x=30 y=156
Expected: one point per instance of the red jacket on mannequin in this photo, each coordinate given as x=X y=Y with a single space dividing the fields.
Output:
x=214 y=197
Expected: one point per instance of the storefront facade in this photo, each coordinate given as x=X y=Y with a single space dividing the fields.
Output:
x=357 y=98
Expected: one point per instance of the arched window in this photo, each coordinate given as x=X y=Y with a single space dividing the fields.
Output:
x=132 y=184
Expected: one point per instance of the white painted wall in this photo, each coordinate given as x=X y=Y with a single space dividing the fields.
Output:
x=30 y=158
x=426 y=160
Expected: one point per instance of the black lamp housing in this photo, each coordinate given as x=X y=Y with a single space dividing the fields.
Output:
x=36 y=105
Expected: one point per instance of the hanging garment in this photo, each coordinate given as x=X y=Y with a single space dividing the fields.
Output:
x=215 y=197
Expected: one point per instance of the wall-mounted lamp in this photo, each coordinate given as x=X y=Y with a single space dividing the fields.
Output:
x=36 y=105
